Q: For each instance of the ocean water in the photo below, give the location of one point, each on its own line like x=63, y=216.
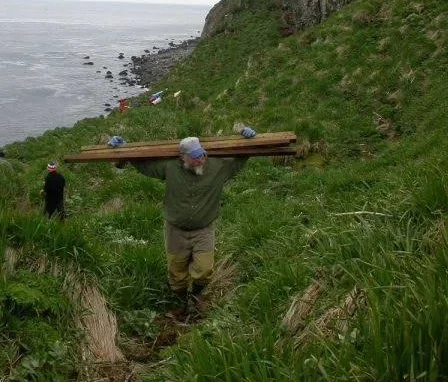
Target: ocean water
x=44, y=82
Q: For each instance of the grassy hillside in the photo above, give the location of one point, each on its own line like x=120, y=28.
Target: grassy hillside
x=335, y=263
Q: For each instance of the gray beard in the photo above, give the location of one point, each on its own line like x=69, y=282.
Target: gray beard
x=195, y=170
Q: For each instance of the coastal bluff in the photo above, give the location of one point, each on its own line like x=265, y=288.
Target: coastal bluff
x=294, y=14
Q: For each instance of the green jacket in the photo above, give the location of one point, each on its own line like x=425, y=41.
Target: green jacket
x=192, y=201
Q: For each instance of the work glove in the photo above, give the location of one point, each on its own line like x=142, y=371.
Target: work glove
x=116, y=141
x=248, y=132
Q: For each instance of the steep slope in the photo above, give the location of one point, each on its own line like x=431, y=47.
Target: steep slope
x=336, y=262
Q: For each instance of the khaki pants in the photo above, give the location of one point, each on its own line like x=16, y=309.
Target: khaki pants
x=190, y=255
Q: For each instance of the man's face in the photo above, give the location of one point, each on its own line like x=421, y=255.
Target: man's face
x=195, y=165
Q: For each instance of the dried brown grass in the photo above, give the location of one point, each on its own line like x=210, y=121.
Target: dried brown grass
x=222, y=284
x=98, y=350
x=283, y=160
x=91, y=313
x=302, y=306
x=437, y=235
x=11, y=258
x=111, y=206
x=301, y=328
x=335, y=321
x=100, y=326
x=103, y=139
x=385, y=126
x=303, y=150
x=364, y=17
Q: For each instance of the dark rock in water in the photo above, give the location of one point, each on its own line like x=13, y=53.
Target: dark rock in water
x=104, y=67
x=107, y=104
x=121, y=56
x=87, y=58
x=146, y=51
x=88, y=63
x=155, y=47
x=123, y=73
x=107, y=109
x=108, y=75
x=98, y=71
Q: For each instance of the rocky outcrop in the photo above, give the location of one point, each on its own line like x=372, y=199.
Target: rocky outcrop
x=220, y=15
x=295, y=14
x=299, y=14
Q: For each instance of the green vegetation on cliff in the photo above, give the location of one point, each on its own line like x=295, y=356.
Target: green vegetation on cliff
x=364, y=210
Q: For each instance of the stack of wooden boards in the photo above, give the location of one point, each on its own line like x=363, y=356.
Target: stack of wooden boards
x=267, y=144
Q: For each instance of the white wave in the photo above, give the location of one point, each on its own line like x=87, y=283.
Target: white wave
x=5, y=101
x=13, y=63
x=43, y=21
x=38, y=67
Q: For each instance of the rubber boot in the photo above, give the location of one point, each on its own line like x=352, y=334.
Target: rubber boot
x=180, y=313
x=199, y=300
x=197, y=289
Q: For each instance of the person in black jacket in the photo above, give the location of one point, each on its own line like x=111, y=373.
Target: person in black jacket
x=53, y=192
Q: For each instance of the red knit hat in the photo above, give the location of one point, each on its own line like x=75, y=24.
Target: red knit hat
x=51, y=167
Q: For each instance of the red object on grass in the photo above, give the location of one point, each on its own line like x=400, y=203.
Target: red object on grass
x=123, y=105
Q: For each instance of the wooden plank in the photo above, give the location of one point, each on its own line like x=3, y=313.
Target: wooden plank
x=264, y=151
x=289, y=135
x=147, y=154
x=213, y=145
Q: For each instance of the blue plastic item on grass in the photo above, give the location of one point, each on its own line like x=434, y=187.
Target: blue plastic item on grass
x=116, y=141
x=248, y=132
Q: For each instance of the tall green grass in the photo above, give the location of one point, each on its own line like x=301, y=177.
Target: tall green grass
x=367, y=89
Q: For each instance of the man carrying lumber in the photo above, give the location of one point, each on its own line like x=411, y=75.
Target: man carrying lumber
x=194, y=185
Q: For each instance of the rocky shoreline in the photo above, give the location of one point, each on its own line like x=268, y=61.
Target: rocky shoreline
x=146, y=70
x=149, y=69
